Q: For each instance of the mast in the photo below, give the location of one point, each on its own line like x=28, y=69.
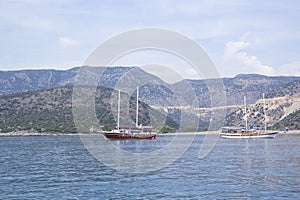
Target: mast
x=265, y=116
x=246, y=113
x=137, y=108
x=119, y=97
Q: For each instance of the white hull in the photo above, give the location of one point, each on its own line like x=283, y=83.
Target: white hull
x=241, y=136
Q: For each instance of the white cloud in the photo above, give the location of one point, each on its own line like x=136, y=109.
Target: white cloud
x=192, y=73
x=65, y=42
x=289, y=69
x=274, y=29
x=236, y=60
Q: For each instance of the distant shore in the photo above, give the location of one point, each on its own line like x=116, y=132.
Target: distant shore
x=218, y=132
x=21, y=133
x=25, y=133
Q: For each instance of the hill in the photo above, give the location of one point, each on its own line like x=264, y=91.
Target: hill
x=251, y=85
x=51, y=111
x=30, y=80
x=280, y=111
x=41, y=100
x=285, y=90
x=291, y=121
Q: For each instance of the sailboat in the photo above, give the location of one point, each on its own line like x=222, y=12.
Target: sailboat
x=244, y=132
x=130, y=132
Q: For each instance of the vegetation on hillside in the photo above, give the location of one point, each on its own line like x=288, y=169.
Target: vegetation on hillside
x=292, y=121
x=285, y=90
x=51, y=111
x=166, y=129
x=252, y=85
x=45, y=104
x=281, y=112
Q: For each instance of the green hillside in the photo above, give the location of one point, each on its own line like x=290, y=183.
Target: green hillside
x=51, y=110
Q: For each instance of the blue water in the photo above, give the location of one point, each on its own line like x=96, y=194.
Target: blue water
x=61, y=168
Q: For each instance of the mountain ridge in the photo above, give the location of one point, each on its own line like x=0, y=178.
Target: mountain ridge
x=251, y=85
x=170, y=99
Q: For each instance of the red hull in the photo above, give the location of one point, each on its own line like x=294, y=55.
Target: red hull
x=126, y=136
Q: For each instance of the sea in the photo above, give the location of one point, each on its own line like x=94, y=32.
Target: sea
x=62, y=167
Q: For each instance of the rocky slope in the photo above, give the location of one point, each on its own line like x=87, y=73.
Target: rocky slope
x=251, y=85
x=29, y=80
x=280, y=111
x=48, y=101
x=291, y=121
x=285, y=90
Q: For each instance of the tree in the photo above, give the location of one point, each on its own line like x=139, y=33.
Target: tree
x=190, y=129
x=166, y=129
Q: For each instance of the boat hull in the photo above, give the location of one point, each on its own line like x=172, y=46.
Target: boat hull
x=250, y=136
x=128, y=136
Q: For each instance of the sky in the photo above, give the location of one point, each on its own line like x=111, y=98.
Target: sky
x=239, y=36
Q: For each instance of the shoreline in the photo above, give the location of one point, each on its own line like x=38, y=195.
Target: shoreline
x=21, y=134
x=290, y=132
x=24, y=133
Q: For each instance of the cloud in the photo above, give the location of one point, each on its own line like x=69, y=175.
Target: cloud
x=236, y=59
x=289, y=69
x=211, y=23
x=65, y=42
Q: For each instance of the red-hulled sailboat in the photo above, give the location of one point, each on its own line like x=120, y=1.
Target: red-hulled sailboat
x=130, y=132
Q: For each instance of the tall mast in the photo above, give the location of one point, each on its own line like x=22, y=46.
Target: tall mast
x=246, y=113
x=137, y=108
x=119, y=97
x=265, y=115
